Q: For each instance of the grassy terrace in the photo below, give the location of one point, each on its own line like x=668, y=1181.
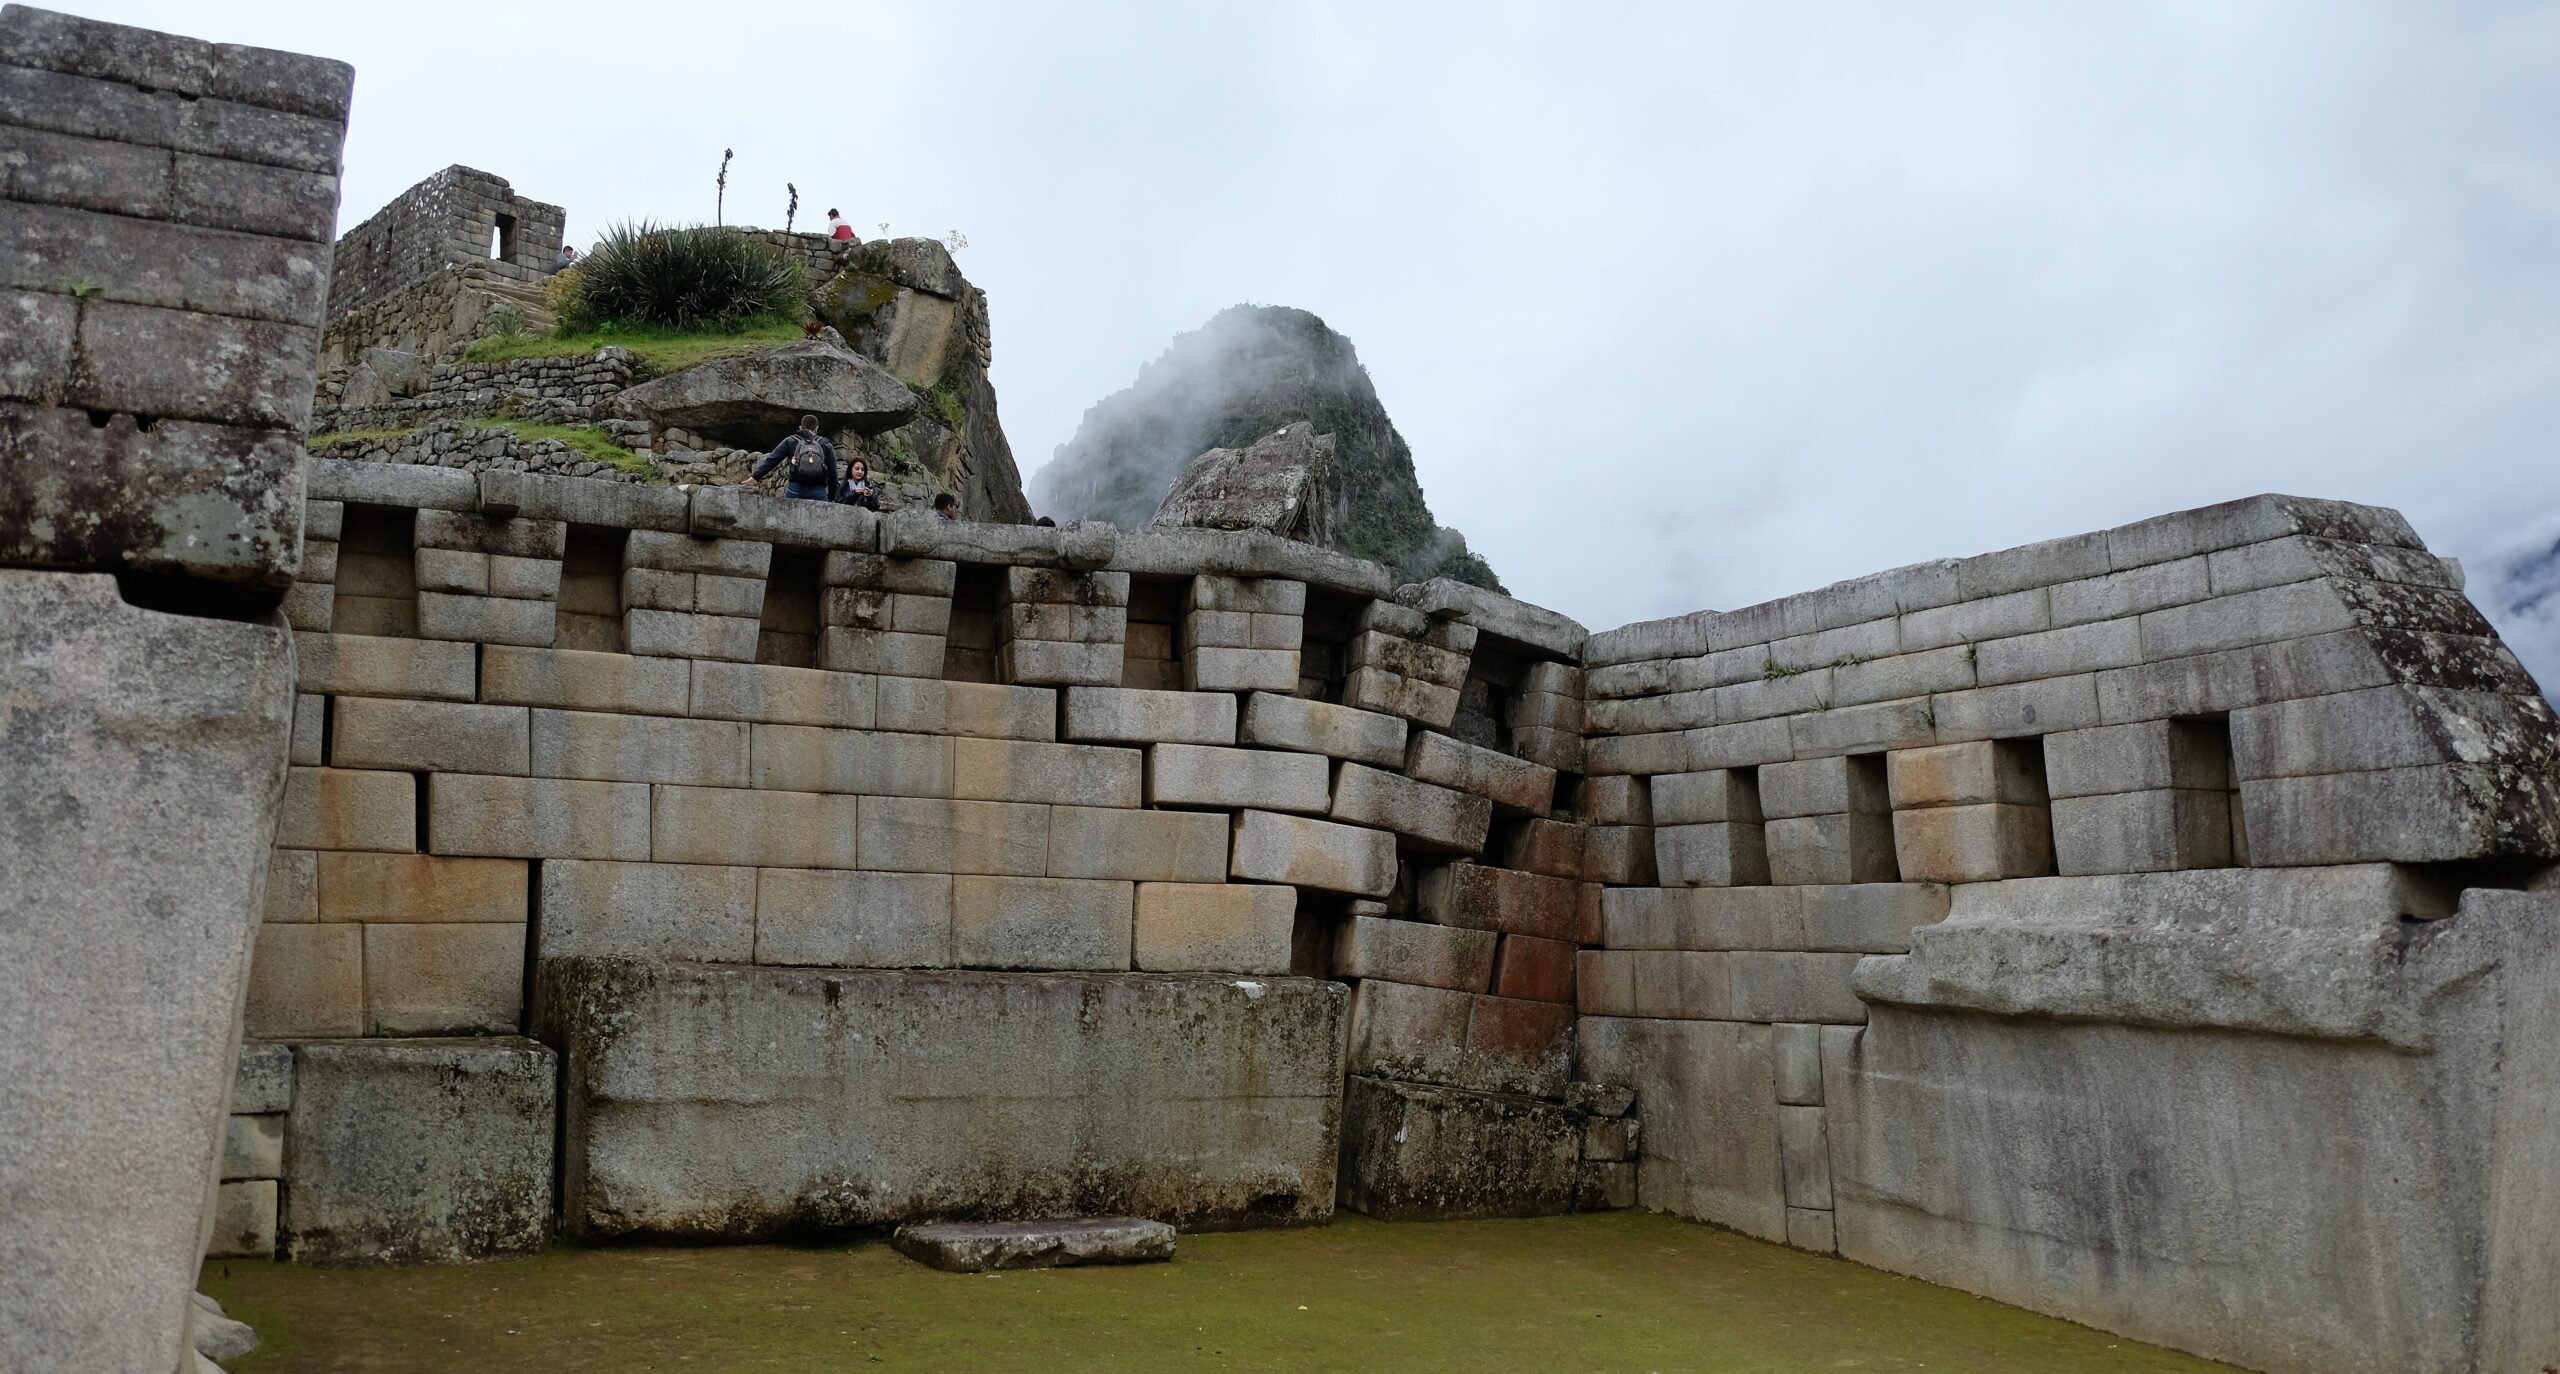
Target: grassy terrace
x=1620, y=1291
x=660, y=351
x=587, y=440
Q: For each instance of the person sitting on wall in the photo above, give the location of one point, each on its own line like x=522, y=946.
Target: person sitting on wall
x=946, y=507
x=567, y=258
x=811, y=475
x=858, y=488
x=838, y=230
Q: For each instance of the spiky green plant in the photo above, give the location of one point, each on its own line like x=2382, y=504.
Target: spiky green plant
x=698, y=278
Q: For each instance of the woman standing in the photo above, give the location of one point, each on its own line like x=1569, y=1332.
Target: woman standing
x=858, y=490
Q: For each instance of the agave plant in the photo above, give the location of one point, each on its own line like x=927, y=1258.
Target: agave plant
x=696, y=278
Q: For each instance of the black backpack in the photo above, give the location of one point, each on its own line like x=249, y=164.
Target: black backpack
x=808, y=461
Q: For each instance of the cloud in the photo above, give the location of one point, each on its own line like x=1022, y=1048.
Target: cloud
x=1678, y=304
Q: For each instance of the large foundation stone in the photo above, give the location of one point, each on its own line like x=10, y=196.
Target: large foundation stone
x=1412, y=1152
x=717, y=1101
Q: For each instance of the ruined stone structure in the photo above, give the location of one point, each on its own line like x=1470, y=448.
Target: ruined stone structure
x=430, y=271
x=2154, y=927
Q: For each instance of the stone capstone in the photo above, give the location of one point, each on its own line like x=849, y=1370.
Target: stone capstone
x=731, y=1102
x=754, y=399
x=967, y=1247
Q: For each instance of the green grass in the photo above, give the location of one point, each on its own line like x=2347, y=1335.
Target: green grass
x=368, y=435
x=1627, y=1291
x=661, y=351
x=589, y=443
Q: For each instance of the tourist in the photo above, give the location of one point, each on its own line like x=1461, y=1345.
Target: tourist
x=946, y=507
x=567, y=258
x=858, y=490
x=811, y=475
x=837, y=229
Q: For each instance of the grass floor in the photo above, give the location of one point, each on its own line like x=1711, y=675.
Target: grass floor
x=1621, y=1291
x=661, y=351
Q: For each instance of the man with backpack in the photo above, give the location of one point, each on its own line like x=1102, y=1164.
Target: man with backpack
x=811, y=471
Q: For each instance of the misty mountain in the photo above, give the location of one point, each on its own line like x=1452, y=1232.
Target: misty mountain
x=2520, y=592
x=1250, y=370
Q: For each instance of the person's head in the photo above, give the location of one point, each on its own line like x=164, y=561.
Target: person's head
x=808, y=424
x=831, y=214
x=1046, y=523
x=946, y=505
x=859, y=471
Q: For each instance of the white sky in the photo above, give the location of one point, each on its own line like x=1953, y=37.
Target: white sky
x=1682, y=305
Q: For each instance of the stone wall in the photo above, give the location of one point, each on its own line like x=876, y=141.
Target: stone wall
x=491, y=447
x=170, y=202
x=557, y=390
x=460, y=217
x=2107, y=925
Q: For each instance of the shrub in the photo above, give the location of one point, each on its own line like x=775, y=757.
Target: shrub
x=698, y=278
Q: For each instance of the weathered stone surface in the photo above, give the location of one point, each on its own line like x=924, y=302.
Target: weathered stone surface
x=145, y=757
x=1416, y=952
x=1429, y=817
x=244, y=1221
x=1709, y=1097
x=1282, y=482
x=1481, y=897
x=1972, y=844
x=536, y=818
x=674, y=911
x=752, y=400
x=1040, y=923
x=206, y=500
x=452, y=978
x=1412, y=1152
x=379, y=666
x=1145, y=846
x=973, y=1247
x=428, y=736
x=1214, y=928
x=1473, y=1041
x=2142, y=832
x=1269, y=847
x=1515, y=786
x=218, y=1337
x=419, y=1151
x=418, y=888
x=1236, y=779
x=1285, y=722
x=264, y=1080
x=585, y=680
x=1722, y=854
x=2284, y=1238
x=735, y=1103
x=1842, y=848
x=1138, y=716
x=835, y=919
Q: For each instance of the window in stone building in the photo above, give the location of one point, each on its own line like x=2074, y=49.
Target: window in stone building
x=1325, y=649
x=1872, y=858
x=1153, y=653
x=969, y=653
x=502, y=239
x=590, y=608
x=1484, y=704
x=377, y=573
x=789, y=634
x=2207, y=804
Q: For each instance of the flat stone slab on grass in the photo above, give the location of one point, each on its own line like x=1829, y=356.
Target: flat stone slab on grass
x=969, y=1247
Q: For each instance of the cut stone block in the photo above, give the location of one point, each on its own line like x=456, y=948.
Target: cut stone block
x=808, y=758
x=1710, y=1107
x=449, y=979
x=1716, y=796
x=419, y=888
x=1040, y=923
x=1610, y=1138
x=1236, y=779
x=1133, y=715
x=1797, y=1049
x=1375, y=689
x=1782, y=985
x=983, y=710
x=1820, y=787
x=1287, y=722
x=1725, y=854
x=244, y=1221
x=1618, y=854
x=2411, y=815
x=1534, y=970
x=1972, y=844
x=1980, y=772
x=537, y=818
x=1214, y=928
x=1869, y=918
x=672, y=911
x=1808, y=1229
x=306, y=980
x=263, y=1080
x=1855, y=848
x=2142, y=832
x=1407, y=658
x=1429, y=817
x=1513, y=785
x=835, y=919
x=618, y=748
x=1270, y=847
x=1627, y=800
x=337, y=808
x=1415, y=952
x=293, y=885
x=1063, y=774
x=2144, y=756
x=428, y=736
x=1048, y=661
x=584, y=680
x=1703, y=918
x=1554, y=848
x=1479, y=897
x=1264, y=595
x=1195, y=1099
x=972, y=1247
x=926, y=835
x=1216, y=669
x=1461, y=1040
x=489, y=619
x=1145, y=846
x=677, y=634
x=770, y=829
x=684, y=553
x=252, y=1147
x=1417, y=1153
x=771, y=694
x=419, y=1151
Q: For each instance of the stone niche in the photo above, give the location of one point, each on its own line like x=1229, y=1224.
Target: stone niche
x=726, y=1102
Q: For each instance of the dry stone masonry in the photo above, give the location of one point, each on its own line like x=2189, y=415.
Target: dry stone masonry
x=2154, y=927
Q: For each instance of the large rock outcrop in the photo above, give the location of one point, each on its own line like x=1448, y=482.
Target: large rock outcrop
x=903, y=304
x=753, y=399
x=1283, y=483
x=1249, y=371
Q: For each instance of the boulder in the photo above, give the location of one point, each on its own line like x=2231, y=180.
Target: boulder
x=1283, y=482
x=754, y=399
x=963, y=1247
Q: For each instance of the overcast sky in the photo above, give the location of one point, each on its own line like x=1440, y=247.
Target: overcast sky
x=1679, y=306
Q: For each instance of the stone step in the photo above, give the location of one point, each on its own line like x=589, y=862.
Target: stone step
x=969, y=1247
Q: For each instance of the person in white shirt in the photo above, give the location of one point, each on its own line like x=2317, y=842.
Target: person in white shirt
x=839, y=230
